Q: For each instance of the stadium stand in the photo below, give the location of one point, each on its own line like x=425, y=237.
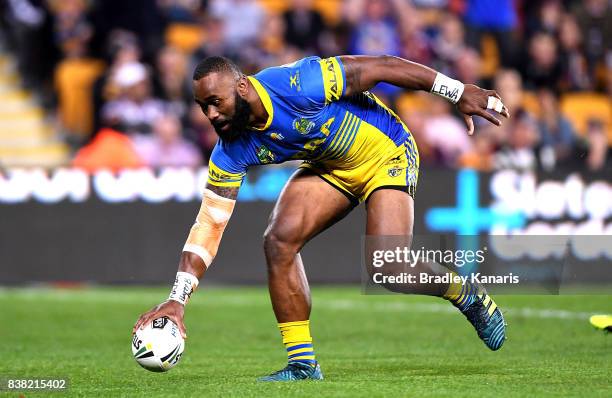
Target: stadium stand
x=59, y=94
x=580, y=108
x=27, y=138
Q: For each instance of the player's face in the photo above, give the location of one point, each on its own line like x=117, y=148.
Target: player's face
x=218, y=97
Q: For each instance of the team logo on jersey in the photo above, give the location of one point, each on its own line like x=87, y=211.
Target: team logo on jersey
x=395, y=171
x=302, y=126
x=294, y=81
x=265, y=155
x=277, y=136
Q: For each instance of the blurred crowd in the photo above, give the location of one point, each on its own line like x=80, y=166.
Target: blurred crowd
x=117, y=73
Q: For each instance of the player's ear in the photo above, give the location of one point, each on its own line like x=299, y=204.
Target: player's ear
x=242, y=86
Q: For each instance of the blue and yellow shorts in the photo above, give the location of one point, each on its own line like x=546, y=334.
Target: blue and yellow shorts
x=372, y=162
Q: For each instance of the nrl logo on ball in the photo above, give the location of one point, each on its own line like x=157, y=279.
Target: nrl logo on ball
x=159, y=323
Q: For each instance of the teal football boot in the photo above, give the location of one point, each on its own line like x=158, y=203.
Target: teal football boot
x=295, y=371
x=487, y=319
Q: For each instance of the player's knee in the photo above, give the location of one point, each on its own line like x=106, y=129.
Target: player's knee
x=280, y=243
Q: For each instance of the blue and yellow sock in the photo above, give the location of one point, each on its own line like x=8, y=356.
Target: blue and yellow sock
x=461, y=295
x=298, y=342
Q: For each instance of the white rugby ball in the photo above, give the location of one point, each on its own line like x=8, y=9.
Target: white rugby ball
x=158, y=346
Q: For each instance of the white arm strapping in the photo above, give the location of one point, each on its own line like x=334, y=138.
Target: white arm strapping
x=205, y=234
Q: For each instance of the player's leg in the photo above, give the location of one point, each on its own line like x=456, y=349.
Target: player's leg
x=391, y=213
x=390, y=221
x=306, y=206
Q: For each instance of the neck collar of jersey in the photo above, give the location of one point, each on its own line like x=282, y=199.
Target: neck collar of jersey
x=265, y=99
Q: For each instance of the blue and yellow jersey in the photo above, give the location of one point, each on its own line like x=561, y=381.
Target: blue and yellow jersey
x=311, y=119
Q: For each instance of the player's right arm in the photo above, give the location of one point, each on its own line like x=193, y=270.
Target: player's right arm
x=204, y=238
x=199, y=251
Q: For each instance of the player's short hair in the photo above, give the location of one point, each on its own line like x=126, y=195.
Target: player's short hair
x=215, y=64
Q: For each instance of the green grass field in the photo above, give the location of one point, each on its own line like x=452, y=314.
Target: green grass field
x=370, y=346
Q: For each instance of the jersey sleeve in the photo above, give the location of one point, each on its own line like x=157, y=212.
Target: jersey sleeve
x=322, y=80
x=308, y=84
x=224, y=170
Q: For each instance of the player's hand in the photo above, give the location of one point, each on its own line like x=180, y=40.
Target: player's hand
x=174, y=310
x=477, y=101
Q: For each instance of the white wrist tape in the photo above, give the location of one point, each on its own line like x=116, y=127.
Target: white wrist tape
x=448, y=88
x=184, y=285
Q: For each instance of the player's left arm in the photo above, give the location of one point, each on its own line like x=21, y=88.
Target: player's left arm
x=364, y=72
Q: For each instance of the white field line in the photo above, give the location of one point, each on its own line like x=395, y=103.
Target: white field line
x=324, y=304
x=446, y=308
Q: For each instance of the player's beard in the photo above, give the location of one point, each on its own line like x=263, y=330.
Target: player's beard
x=238, y=123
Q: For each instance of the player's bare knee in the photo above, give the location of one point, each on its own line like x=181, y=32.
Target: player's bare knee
x=279, y=244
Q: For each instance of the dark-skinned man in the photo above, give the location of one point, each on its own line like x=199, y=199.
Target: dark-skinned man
x=354, y=149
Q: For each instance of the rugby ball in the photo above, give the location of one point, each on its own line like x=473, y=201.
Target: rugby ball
x=158, y=346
